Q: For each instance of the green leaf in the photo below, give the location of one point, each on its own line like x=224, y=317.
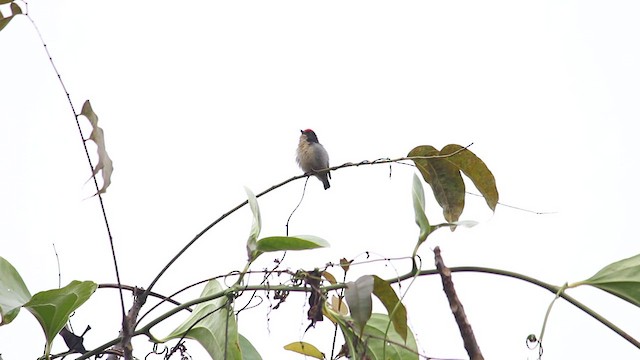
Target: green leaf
x=256, y=226
x=369, y=343
x=284, y=243
x=248, y=351
x=396, y=310
x=444, y=178
x=395, y=348
x=476, y=170
x=419, y=209
x=5, y=1
x=351, y=339
x=13, y=292
x=304, y=348
x=358, y=296
x=52, y=308
x=212, y=324
x=621, y=278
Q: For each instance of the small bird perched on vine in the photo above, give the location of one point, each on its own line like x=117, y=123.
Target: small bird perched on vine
x=312, y=157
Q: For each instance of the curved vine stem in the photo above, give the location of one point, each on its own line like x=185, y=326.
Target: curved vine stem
x=86, y=151
x=242, y=204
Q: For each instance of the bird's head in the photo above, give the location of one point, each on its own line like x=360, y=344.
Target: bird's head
x=310, y=135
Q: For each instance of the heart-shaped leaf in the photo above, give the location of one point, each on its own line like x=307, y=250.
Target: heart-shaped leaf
x=394, y=348
x=13, y=292
x=52, y=308
x=621, y=278
x=213, y=324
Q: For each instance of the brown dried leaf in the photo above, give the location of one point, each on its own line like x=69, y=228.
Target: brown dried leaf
x=97, y=136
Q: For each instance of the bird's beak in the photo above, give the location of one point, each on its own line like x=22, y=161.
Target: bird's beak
x=301, y=131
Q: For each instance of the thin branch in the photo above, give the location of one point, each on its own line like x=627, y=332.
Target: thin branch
x=474, y=269
x=239, y=206
x=304, y=190
x=554, y=290
x=516, y=207
x=132, y=289
x=86, y=151
x=58, y=262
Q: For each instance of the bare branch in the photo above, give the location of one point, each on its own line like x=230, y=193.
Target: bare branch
x=457, y=309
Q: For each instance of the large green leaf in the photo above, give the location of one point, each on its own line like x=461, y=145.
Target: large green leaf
x=621, y=278
x=213, y=325
x=248, y=351
x=256, y=226
x=358, y=296
x=444, y=178
x=370, y=342
x=396, y=310
x=395, y=348
x=13, y=292
x=284, y=243
x=419, y=209
x=476, y=170
x=52, y=308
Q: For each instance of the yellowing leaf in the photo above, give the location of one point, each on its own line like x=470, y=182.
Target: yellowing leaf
x=476, y=170
x=97, y=136
x=330, y=278
x=339, y=306
x=16, y=9
x=443, y=177
x=305, y=349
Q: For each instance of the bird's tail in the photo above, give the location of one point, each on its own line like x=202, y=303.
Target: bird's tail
x=325, y=180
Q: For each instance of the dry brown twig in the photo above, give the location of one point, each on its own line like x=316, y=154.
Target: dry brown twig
x=469, y=339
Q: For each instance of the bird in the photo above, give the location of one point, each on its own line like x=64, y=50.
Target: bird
x=312, y=157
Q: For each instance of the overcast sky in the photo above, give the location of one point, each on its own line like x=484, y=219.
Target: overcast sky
x=198, y=99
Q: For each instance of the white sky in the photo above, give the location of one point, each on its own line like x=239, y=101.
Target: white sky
x=199, y=99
